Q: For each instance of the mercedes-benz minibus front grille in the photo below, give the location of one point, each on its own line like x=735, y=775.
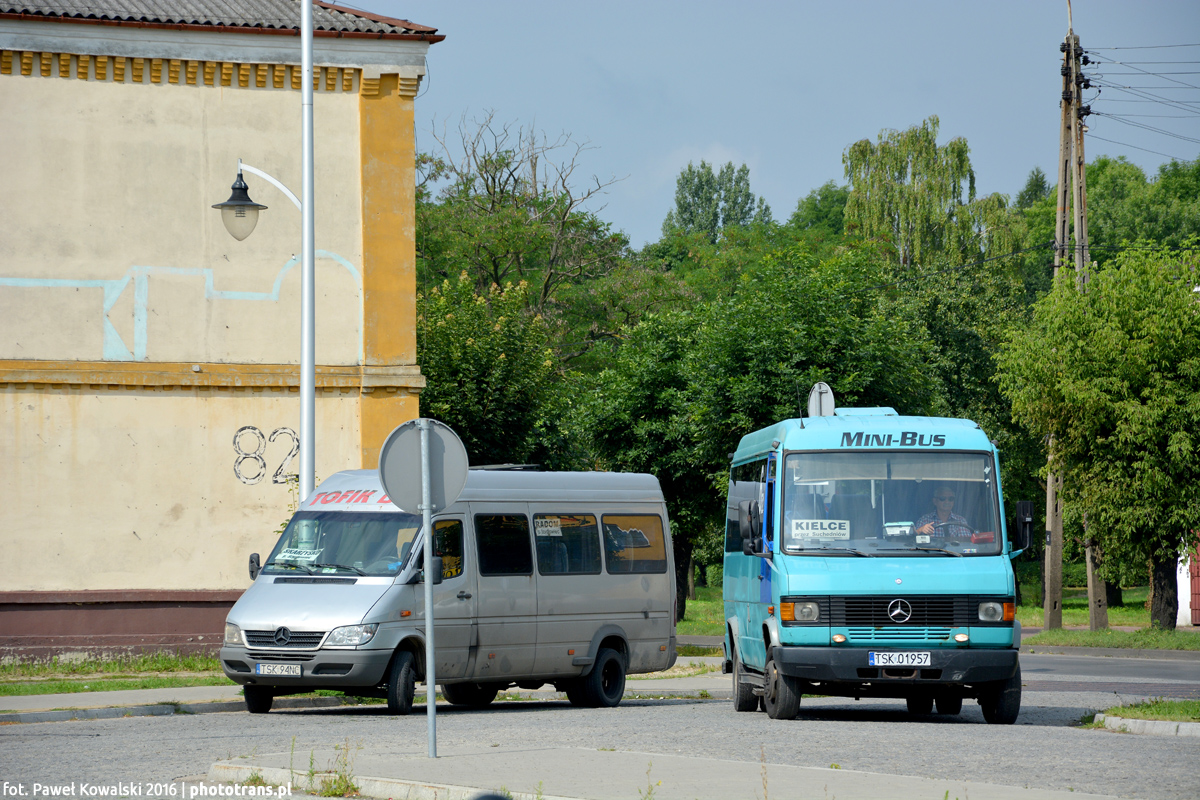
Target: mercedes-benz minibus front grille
x=296, y=640
x=903, y=611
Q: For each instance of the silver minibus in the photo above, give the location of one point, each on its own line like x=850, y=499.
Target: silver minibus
x=562, y=578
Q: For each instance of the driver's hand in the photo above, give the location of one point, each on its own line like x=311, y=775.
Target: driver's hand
x=926, y=528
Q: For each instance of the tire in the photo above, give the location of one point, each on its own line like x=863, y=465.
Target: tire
x=473, y=695
x=1002, y=703
x=575, y=695
x=402, y=683
x=920, y=704
x=744, y=698
x=780, y=695
x=258, y=698
x=949, y=703
x=604, y=686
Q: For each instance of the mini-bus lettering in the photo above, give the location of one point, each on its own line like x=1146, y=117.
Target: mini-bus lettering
x=907, y=439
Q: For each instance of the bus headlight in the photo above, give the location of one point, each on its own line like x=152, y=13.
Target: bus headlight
x=233, y=634
x=806, y=611
x=350, y=635
x=991, y=611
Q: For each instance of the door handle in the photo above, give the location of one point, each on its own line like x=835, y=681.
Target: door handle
x=464, y=595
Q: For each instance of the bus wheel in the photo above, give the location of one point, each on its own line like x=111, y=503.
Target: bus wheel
x=258, y=699
x=949, y=703
x=402, y=683
x=604, y=686
x=780, y=696
x=573, y=689
x=743, y=693
x=1002, y=703
x=920, y=703
x=475, y=695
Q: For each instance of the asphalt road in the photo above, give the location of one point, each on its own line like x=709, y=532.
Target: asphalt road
x=1044, y=749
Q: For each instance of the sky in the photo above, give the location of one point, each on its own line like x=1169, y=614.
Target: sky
x=786, y=87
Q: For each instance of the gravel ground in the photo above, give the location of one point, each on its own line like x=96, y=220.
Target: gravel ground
x=1044, y=749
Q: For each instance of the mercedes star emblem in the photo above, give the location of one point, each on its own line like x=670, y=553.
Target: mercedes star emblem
x=283, y=636
x=899, y=611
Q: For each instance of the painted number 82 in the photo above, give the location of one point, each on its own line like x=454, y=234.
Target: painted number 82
x=250, y=467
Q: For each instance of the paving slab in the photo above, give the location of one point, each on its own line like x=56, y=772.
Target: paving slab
x=464, y=773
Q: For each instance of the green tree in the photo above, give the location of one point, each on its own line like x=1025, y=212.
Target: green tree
x=1113, y=373
x=822, y=210
x=491, y=373
x=1035, y=189
x=919, y=197
x=707, y=203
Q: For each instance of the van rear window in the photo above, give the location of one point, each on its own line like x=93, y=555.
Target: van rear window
x=634, y=543
x=567, y=544
x=503, y=543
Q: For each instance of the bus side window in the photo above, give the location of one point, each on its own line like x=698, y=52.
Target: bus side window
x=503, y=544
x=634, y=543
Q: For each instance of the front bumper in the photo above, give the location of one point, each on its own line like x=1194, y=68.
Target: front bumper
x=849, y=665
x=318, y=668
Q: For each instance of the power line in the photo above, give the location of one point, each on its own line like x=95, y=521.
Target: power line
x=1145, y=47
x=1135, y=147
x=1155, y=74
x=1146, y=127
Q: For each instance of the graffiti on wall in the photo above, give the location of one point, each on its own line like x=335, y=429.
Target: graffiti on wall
x=115, y=347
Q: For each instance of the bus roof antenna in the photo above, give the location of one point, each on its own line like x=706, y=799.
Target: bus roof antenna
x=820, y=401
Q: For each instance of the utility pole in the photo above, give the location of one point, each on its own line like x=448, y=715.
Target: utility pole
x=1072, y=193
x=1052, y=604
x=1097, y=590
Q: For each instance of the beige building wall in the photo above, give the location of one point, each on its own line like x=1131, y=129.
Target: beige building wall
x=144, y=487
x=148, y=361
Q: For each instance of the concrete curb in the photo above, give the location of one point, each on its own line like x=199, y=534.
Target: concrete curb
x=161, y=710
x=1109, y=652
x=1155, y=727
x=283, y=703
x=393, y=788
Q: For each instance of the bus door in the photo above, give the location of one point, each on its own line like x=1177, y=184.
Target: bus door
x=754, y=646
x=507, y=600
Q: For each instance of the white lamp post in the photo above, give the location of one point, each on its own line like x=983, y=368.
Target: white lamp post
x=240, y=214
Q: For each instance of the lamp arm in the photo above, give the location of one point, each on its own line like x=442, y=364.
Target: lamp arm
x=272, y=181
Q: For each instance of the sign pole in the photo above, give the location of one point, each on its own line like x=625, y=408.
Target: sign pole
x=427, y=524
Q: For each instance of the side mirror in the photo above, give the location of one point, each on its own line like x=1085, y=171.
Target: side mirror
x=435, y=570
x=255, y=566
x=1024, y=533
x=750, y=526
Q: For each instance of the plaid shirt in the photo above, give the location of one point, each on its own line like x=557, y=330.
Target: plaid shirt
x=954, y=528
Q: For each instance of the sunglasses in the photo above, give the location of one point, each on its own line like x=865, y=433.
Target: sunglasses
x=944, y=499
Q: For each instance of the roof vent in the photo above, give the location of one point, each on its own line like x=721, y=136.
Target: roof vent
x=820, y=401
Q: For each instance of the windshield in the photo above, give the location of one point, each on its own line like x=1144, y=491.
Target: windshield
x=877, y=503
x=339, y=542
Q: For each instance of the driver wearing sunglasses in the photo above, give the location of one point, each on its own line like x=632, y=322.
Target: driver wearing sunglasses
x=942, y=522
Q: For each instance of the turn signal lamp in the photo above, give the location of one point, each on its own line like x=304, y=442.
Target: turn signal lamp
x=961, y=637
x=839, y=638
x=1010, y=612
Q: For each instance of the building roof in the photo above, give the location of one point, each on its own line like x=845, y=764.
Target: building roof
x=232, y=16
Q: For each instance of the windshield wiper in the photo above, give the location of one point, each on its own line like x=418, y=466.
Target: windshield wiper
x=287, y=564
x=838, y=550
x=927, y=550
x=337, y=566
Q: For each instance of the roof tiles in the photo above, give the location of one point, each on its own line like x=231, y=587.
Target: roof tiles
x=225, y=14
